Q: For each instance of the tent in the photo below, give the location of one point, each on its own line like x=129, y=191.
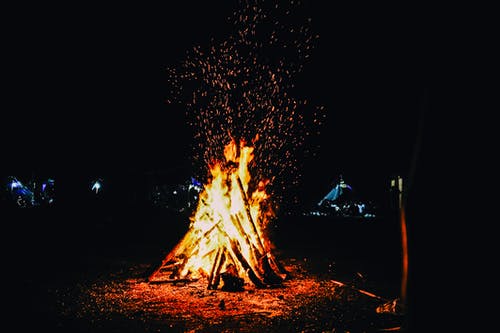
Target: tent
x=343, y=201
x=338, y=191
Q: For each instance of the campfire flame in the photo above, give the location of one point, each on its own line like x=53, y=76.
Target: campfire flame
x=227, y=230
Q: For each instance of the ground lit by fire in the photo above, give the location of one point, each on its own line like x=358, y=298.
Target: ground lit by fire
x=125, y=300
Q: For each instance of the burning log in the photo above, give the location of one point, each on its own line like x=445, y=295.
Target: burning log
x=247, y=210
x=252, y=274
x=176, y=259
x=226, y=229
x=235, y=249
x=174, y=281
x=274, y=272
x=214, y=279
x=214, y=267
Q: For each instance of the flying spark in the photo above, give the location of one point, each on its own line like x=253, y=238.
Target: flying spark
x=243, y=85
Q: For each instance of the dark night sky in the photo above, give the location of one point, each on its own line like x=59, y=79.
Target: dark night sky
x=86, y=87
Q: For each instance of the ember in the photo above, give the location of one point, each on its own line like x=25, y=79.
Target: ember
x=227, y=237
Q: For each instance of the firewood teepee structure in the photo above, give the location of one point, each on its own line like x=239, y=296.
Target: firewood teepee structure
x=226, y=233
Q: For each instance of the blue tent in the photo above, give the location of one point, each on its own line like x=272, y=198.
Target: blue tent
x=20, y=193
x=336, y=192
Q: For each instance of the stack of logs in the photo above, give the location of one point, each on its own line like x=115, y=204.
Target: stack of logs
x=260, y=267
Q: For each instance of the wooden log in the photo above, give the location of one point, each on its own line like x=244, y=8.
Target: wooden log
x=250, y=271
x=276, y=267
x=268, y=265
x=178, y=268
x=174, y=281
x=231, y=256
x=168, y=268
x=239, y=227
x=271, y=276
x=194, y=244
x=214, y=267
x=235, y=254
x=208, y=253
x=222, y=260
x=182, y=248
x=249, y=215
x=170, y=257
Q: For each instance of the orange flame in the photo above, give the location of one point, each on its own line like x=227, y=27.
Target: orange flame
x=228, y=226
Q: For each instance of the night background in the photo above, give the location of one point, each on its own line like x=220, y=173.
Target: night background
x=86, y=99
x=88, y=88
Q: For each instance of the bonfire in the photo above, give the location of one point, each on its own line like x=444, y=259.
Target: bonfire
x=227, y=236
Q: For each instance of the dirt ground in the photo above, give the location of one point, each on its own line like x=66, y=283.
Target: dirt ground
x=92, y=278
x=121, y=300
